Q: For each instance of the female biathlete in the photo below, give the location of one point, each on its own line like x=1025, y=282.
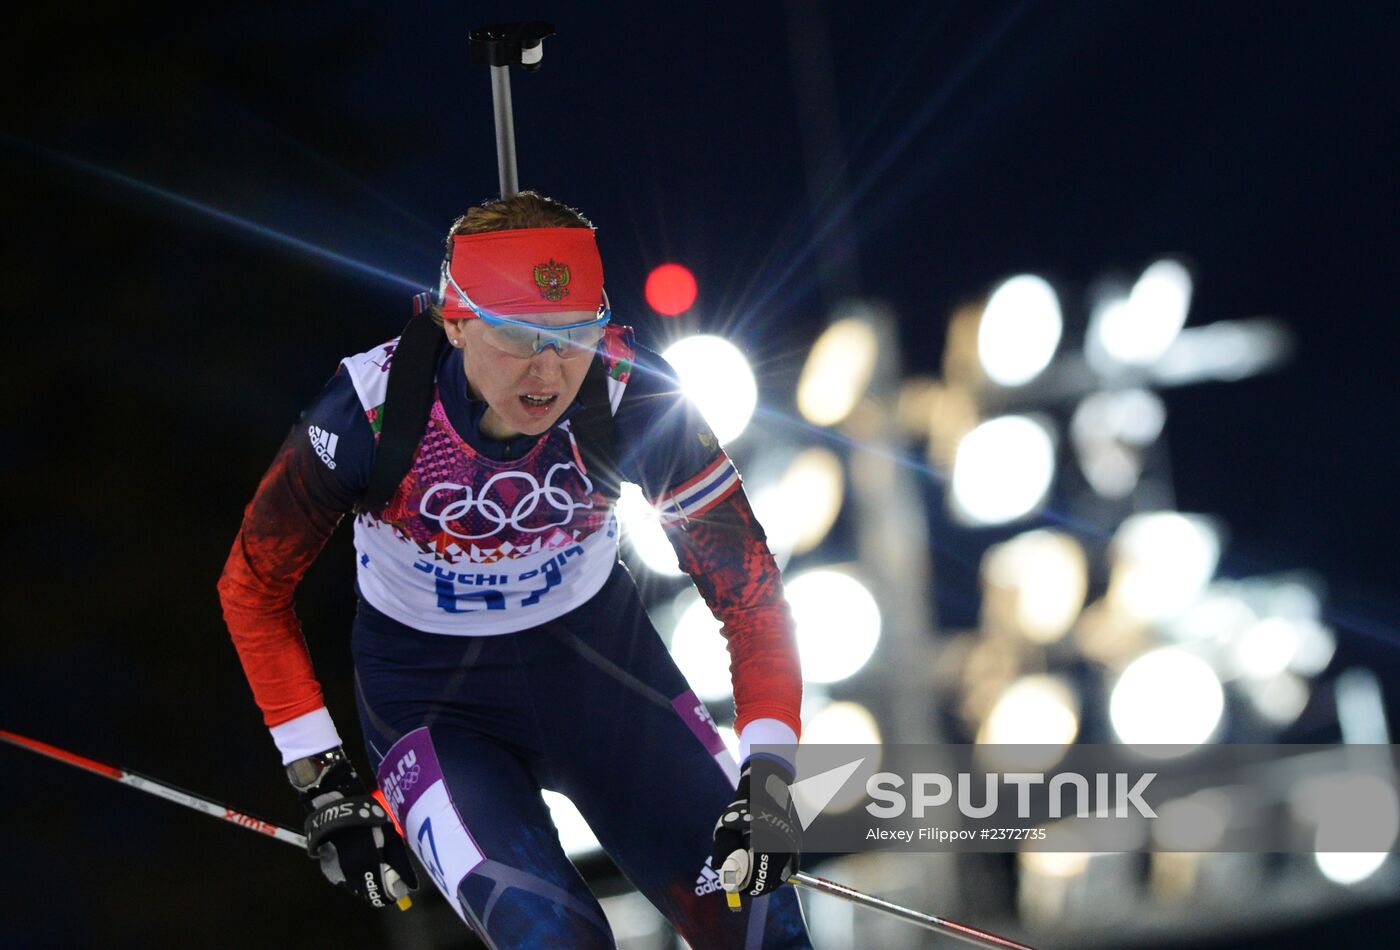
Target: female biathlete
x=500, y=646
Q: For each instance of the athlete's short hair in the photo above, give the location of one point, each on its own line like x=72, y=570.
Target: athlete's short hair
x=524, y=209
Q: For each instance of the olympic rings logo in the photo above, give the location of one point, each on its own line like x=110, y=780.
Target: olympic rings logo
x=559, y=503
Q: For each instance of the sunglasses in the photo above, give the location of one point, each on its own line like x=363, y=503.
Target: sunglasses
x=521, y=339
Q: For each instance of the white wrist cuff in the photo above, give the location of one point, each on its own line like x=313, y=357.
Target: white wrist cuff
x=305, y=735
x=764, y=732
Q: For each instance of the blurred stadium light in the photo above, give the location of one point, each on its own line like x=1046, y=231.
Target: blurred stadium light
x=1137, y=329
x=641, y=529
x=698, y=648
x=838, y=624
x=1227, y=350
x=1034, y=585
x=1360, y=708
x=1166, y=697
x=1019, y=330
x=1111, y=432
x=670, y=289
x=1003, y=470
x=1162, y=561
x=842, y=723
x=1280, y=700
x=837, y=371
x=1349, y=867
x=845, y=723
x=1334, y=803
x=798, y=510
x=1039, y=710
x=718, y=379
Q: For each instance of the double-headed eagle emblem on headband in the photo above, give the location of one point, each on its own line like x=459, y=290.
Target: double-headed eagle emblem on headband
x=553, y=280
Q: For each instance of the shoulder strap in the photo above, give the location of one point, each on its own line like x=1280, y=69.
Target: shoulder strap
x=407, y=402
x=595, y=431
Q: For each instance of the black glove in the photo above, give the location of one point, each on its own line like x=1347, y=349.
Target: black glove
x=771, y=817
x=350, y=832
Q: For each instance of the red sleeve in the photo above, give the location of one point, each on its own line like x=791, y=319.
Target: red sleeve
x=293, y=513
x=726, y=553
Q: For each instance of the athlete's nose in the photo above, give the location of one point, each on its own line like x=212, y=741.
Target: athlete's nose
x=547, y=364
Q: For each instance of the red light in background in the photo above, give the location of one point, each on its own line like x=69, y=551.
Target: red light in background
x=670, y=289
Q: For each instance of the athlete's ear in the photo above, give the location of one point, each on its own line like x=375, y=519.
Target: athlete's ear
x=453, y=329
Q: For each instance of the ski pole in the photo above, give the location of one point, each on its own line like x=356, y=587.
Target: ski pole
x=500, y=46
x=172, y=794
x=136, y=780
x=943, y=925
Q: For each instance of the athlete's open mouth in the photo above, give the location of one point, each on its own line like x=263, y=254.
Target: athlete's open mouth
x=538, y=402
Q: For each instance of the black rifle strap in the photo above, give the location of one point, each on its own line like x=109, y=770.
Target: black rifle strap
x=407, y=402
x=595, y=431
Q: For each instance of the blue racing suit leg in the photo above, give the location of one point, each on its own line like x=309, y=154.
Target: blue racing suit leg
x=465, y=731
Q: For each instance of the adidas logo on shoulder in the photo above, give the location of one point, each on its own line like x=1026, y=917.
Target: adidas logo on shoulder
x=324, y=443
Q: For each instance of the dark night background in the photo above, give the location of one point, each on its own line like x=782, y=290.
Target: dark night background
x=157, y=351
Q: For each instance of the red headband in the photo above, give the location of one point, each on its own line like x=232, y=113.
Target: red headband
x=524, y=270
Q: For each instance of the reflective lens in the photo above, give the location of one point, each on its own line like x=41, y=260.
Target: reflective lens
x=521, y=339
